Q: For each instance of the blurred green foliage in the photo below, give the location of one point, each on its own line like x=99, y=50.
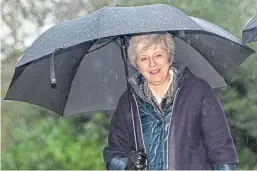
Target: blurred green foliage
x=35, y=138
x=41, y=140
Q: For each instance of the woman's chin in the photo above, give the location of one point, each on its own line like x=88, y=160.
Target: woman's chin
x=156, y=82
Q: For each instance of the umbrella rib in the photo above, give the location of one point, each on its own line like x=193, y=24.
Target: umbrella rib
x=249, y=21
x=207, y=61
x=93, y=42
x=103, y=45
x=238, y=43
x=242, y=45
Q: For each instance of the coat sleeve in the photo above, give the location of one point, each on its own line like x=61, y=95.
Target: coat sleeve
x=216, y=134
x=119, y=141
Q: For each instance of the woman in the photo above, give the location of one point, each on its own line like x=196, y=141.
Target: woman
x=172, y=120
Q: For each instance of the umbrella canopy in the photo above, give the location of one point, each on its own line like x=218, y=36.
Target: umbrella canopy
x=249, y=32
x=78, y=65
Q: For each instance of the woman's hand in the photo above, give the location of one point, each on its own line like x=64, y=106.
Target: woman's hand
x=136, y=160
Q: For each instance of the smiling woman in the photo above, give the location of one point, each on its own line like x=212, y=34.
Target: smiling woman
x=178, y=122
x=152, y=55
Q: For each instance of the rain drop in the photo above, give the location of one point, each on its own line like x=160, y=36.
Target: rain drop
x=97, y=65
x=213, y=53
x=188, y=41
x=181, y=34
x=109, y=99
x=196, y=36
x=105, y=80
x=116, y=77
x=232, y=43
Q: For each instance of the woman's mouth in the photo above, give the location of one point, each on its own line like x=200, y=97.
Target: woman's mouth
x=155, y=71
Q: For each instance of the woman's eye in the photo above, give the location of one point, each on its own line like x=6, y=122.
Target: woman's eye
x=159, y=55
x=143, y=59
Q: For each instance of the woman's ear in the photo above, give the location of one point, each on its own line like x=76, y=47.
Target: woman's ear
x=171, y=59
x=136, y=67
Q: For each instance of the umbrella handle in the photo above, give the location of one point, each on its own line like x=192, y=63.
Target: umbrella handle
x=52, y=68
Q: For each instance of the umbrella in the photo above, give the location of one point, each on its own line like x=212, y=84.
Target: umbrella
x=249, y=32
x=81, y=65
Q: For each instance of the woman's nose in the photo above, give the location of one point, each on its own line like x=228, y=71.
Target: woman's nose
x=152, y=62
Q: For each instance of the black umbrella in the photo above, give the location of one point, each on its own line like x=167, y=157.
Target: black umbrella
x=78, y=65
x=249, y=32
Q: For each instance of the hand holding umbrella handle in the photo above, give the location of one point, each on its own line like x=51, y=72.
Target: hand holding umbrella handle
x=136, y=160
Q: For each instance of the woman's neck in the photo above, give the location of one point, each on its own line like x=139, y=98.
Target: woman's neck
x=160, y=90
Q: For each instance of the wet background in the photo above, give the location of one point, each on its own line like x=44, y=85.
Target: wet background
x=35, y=138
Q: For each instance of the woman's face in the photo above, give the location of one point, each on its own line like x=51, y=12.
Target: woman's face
x=153, y=64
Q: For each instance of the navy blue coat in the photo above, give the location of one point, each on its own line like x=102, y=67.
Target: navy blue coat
x=199, y=136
